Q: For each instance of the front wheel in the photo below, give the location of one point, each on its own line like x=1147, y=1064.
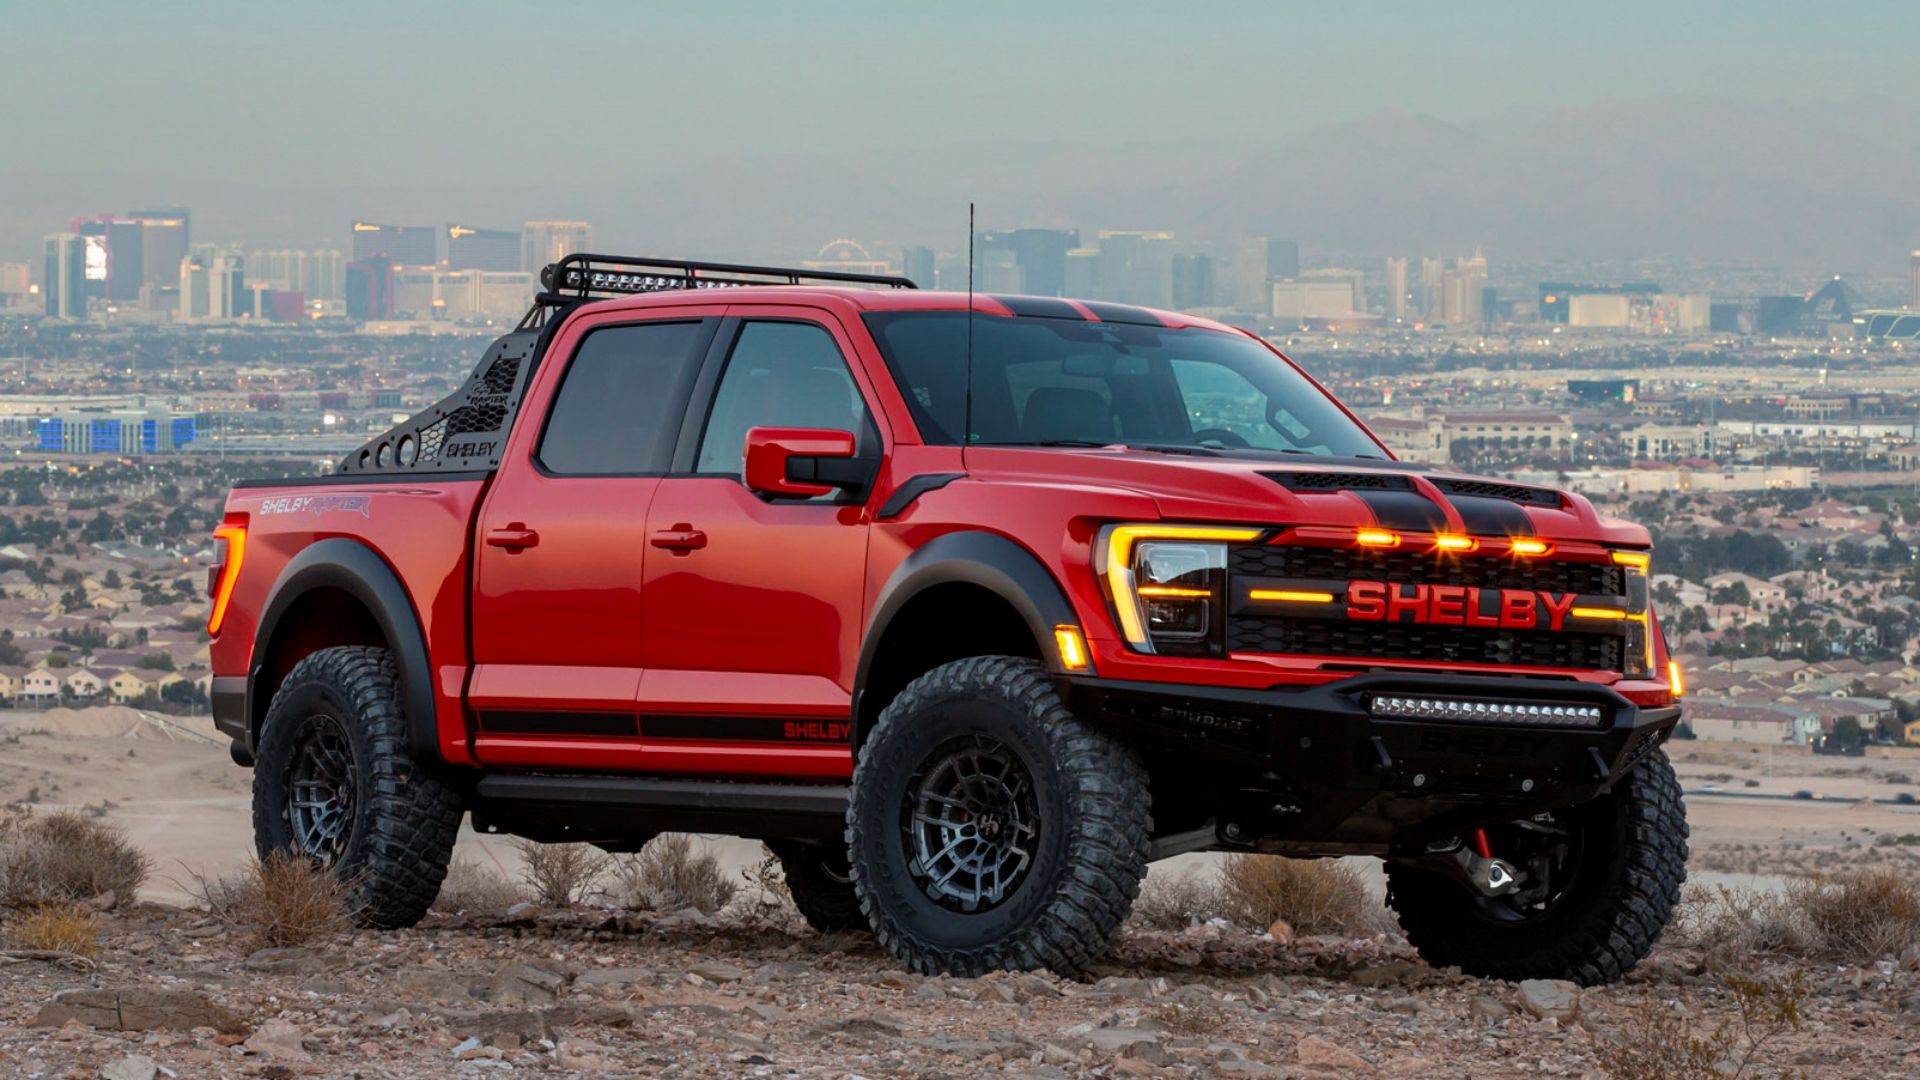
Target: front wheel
x=1597, y=886
x=333, y=782
x=990, y=829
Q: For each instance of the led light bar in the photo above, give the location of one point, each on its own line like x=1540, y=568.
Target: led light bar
x=1548, y=714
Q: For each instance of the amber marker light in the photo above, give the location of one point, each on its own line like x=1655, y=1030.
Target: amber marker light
x=1376, y=538
x=1676, y=680
x=234, y=539
x=1171, y=592
x=1635, y=559
x=1291, y=596
x=1531, y=547
x=1597, y=613
x=1454, y=542
x=1073, y=647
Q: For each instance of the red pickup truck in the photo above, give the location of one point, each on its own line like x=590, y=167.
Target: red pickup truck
x=969, y=606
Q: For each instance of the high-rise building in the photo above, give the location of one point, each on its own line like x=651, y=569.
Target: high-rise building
x=194, y=302
x=369, y=289
x=1258, y=263
x=543, y=242
x=64, y=280
x=1463, y=292
x=1136, y=267
x=469, y=248
x=227, y=286
x=1433, y=297
x=917, y=264
x=1195, y=282
x=402, y=245
x=16, y=284
x=115, y=263
x=1041, y=255
x=1083, y=273
x=1913, y=282
x=1397, y=288
x=164, y=237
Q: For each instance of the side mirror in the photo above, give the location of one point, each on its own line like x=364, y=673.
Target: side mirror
x=802, y=463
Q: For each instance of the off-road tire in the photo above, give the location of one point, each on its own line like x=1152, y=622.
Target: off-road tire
x=1091, y=807
x=1619, y=904
x=401, y=829
x=821, y=885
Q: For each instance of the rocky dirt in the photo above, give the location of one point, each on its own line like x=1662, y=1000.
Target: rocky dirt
x=177, y=994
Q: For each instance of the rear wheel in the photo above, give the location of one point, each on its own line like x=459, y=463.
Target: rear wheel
x=1597, y=885
x=333, y=782
x=990, y=829
x=821, y=884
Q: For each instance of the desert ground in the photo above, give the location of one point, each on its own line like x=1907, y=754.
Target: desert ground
x=750, y=991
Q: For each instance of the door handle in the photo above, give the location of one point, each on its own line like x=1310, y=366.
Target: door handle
x=682, y=539
x=515, y=537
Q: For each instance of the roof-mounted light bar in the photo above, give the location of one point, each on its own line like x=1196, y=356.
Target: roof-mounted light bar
x=582, y=275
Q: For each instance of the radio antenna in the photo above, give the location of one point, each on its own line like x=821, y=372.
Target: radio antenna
x=966, y=416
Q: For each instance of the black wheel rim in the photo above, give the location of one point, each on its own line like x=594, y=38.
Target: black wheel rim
x=320, y=789
x=971, y=824
x=1548, y=850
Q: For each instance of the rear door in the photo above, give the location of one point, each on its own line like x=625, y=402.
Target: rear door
x=753, y=605
x=559, y=542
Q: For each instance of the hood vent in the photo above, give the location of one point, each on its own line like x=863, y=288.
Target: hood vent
x=1339, y=481
x=1489, y=489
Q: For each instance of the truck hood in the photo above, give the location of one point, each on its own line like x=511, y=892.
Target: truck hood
x=1289, y=489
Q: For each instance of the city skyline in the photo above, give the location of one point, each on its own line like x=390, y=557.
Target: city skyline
x=1731, y=134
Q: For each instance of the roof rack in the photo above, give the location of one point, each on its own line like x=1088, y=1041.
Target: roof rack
x=579, y=276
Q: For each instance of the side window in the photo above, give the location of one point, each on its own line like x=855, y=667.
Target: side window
x=619, y=405
x=780, y=374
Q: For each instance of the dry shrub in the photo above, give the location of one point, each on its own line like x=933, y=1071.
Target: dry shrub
x=1741, y=922
x=1664, y=1045
x=670, y=874
x=65, y=858
x=1860, y=917
x=1318, y=896
x=1173, y=901
x=560, y=875
x=61, y=928
x=472, y=887
x=282, y=900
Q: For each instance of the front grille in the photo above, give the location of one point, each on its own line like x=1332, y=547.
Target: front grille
x=1425, y=642
x=1402, y=567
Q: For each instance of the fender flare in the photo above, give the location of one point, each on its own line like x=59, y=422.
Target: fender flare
x=988, y=560
x=355, y=569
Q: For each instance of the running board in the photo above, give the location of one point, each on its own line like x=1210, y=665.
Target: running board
x=596, y=807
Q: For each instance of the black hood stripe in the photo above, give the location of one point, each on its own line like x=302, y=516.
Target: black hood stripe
x=1485, y=516
x=1404, y=511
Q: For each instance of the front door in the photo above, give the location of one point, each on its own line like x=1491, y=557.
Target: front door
x=753, y=606
x=560, y=541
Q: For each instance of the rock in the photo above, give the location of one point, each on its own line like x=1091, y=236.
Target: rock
x=131, y=1067
x=1490, y=1010
x=1055, y=1054
x=1119, y=1040
x=929, y=992
x=106, y=901
x=577, y=1054
x=1244, y=1068
x=1409, y=1066
x=898, y=980
x=1116, y=986
x=1406, y=1006
x=527, y=984
x=1281, y=932
x=521, y=910
x=1028, y=986
x=1910, y=958
x=718, y=971
x=1550, y=999
x=281, y=962
x=995, y=990
x=1150, y=1052
x=427, y=982
x=1314, y=1051
x=490, y=1025
x=277, y=1039
x=1399, y=971
x=135, y=1010
x=687, y=919
x=772, y=1014
x=611, y=979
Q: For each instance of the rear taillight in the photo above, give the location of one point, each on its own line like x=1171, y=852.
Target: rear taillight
x=229, y=551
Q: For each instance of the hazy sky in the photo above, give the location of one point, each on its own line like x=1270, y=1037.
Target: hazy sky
x=274, y=121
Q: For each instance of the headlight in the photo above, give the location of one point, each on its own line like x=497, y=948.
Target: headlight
x=1639, y=658
x=1169, y=584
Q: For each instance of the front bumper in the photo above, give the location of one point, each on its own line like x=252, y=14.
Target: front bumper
x=1317, y=766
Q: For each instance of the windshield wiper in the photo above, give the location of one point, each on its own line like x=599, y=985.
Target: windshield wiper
x=1082, y=443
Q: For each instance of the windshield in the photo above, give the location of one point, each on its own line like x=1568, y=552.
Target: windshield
x=1042, y=381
